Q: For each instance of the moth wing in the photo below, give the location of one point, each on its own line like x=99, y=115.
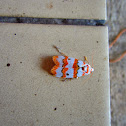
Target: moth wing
x=73, y=72
x=60, y=60
x=80, y=72
x=81, y=63
x=57, y=71
x=63, y=72
x=75, y=63
x=68, y=72
x=67, y=67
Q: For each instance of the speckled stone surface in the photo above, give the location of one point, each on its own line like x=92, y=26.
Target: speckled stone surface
x=29, y=95
x=71, y=9
x=116, y=22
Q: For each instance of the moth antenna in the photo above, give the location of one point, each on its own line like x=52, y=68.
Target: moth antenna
x=58, y=49
x=85, y=59
x=88, y=78
x=63, y=79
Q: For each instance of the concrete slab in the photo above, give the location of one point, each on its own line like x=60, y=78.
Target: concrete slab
x=74, y=9
x=29, y=95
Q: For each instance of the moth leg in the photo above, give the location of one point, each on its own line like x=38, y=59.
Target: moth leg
x=65, y=79
x=85, y=59
x=58, y=49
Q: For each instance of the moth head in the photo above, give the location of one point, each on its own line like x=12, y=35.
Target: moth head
x=92, y=69
x=87, y=69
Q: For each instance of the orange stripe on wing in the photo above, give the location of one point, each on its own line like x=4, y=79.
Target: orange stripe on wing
x=53, y=70
x=55, y=60
x=83, y=63
x=87, y=69
x=83, y=74
x=65, y=61
x=75, y=63
x=64, y=70
x=75, y=72
x=75, y=67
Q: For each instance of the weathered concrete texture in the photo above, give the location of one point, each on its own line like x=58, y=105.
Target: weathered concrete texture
x=31, y=96
x=73, y=9
x=117, y=22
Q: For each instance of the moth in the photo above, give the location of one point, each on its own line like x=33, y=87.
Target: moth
x=68, y=67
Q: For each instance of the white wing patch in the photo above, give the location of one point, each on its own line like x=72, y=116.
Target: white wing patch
x=59, y=72
x=60, y=60
x=69, y=73
x=80, y=63
x=79, y=72
x=70, y=62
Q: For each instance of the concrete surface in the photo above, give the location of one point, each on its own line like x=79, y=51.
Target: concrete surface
x=71, y=9
x=116, y=22
x=29, y=95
